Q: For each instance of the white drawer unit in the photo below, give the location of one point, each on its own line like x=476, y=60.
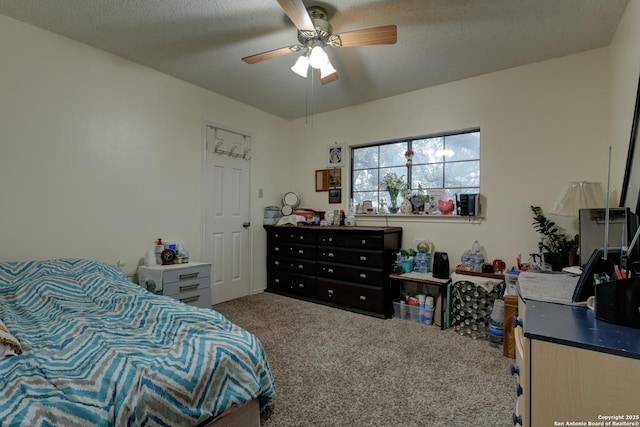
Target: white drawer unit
x=188, y=283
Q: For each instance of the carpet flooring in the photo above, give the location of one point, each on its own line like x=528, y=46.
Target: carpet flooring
x=336, y=368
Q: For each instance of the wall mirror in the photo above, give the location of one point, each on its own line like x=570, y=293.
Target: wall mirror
x=630, y=194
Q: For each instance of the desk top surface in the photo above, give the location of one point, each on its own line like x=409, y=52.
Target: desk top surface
x=420, y=277
x=578, y=327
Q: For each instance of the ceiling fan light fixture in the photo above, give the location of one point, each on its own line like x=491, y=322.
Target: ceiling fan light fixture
x=318, y=57
x=301, y=67
x=326, y=70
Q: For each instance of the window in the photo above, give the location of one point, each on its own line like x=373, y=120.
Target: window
x=447, y=163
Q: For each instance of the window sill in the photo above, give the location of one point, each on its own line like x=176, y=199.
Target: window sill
x=363, y=218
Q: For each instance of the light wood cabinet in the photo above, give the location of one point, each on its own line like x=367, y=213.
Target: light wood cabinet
x=569, y=366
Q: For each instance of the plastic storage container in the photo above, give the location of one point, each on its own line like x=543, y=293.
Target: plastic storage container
x=414, y=313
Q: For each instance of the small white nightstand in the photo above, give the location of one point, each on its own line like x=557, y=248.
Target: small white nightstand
x=189, y=283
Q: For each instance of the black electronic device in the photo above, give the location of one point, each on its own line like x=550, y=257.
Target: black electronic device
x=597, y=264
x=441, y=265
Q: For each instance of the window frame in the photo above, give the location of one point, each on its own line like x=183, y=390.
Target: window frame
x=408, y=170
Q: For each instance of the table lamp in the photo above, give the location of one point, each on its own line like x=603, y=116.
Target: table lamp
x=578, y=195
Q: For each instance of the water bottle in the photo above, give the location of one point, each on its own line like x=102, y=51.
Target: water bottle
x=478, y=260
x=471, y=261
x=428, y=310
x=465, y=260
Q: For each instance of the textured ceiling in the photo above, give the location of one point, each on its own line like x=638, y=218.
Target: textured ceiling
x=203, y=41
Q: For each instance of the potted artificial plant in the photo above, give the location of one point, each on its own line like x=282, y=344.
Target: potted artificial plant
x=559, y=249
x=407, y=259
x=421, y=201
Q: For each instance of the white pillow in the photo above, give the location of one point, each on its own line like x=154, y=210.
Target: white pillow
x=9, y=345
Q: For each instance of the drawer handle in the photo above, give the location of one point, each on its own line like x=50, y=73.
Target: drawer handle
x=301, y=251
x=276, y=262
x=363, y=258
x=515, y=370
x=330, y=254
x=188, y=276
x=300, y=267
x=363, y=275
x=364, y=242
x=519, y=390
x=301, y=285
x=190, y=299
x=276, y=281
x=330, y=292
x=189, y=287
x=276, y=235
x=330, y=239
x=363, y=298
x=517, y=322
x=301, y=237
x=517, y=419
x=329, y=270
x=276, y=248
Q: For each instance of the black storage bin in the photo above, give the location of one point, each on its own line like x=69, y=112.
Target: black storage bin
x=618, y=302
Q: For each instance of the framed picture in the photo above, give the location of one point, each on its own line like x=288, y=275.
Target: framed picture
x=336, y=153
x=322, y=180
x=335, y=177
x=335, y=195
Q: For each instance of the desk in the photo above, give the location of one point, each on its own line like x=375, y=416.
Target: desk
x=572, y=366
x=423, y=279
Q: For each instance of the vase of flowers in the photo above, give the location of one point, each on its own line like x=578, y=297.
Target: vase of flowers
x=393, y=184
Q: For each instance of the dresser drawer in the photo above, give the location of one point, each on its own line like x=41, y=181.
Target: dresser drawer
x=175, y=288
x=292, y=250
x=350, y=273
x=291, y=282
x=349, y=256
x=362, y=297
x=521, y=368
x=197, y=298
x=364, y=241
x=331, y=239
x=300, y=265
x=187, y=273
x=293, y=236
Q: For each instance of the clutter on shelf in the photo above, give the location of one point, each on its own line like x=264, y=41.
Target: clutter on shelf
x=418, y=308
x=167, y=253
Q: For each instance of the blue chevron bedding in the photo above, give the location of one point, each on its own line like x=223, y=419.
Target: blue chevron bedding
x=99, y=350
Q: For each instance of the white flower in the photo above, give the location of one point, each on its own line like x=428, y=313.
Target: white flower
x=393, y=183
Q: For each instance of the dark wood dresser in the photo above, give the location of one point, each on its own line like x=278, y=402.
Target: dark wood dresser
x=343, y=267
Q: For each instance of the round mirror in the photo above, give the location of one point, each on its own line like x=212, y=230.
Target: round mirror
x=291, y=199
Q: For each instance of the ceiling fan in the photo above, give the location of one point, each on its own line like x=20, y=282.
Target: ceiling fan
x=314, y=33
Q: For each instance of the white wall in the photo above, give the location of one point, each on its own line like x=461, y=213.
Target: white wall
x=93, y=148
x=99, y=155
x=542, y=126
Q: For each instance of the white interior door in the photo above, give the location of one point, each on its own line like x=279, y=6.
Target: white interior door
x=226, y=217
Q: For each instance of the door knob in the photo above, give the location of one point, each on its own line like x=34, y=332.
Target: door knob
x=246, y=224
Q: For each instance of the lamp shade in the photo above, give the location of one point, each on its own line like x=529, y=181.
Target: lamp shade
x=301, y=67
x=578, y=195
x=318, y=57
x=326, y=70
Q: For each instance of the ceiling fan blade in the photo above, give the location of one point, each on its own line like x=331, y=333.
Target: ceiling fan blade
x=387, y=34
x=270, y=54
x=297, y=12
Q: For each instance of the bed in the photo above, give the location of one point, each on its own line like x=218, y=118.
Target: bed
x=93, y=349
